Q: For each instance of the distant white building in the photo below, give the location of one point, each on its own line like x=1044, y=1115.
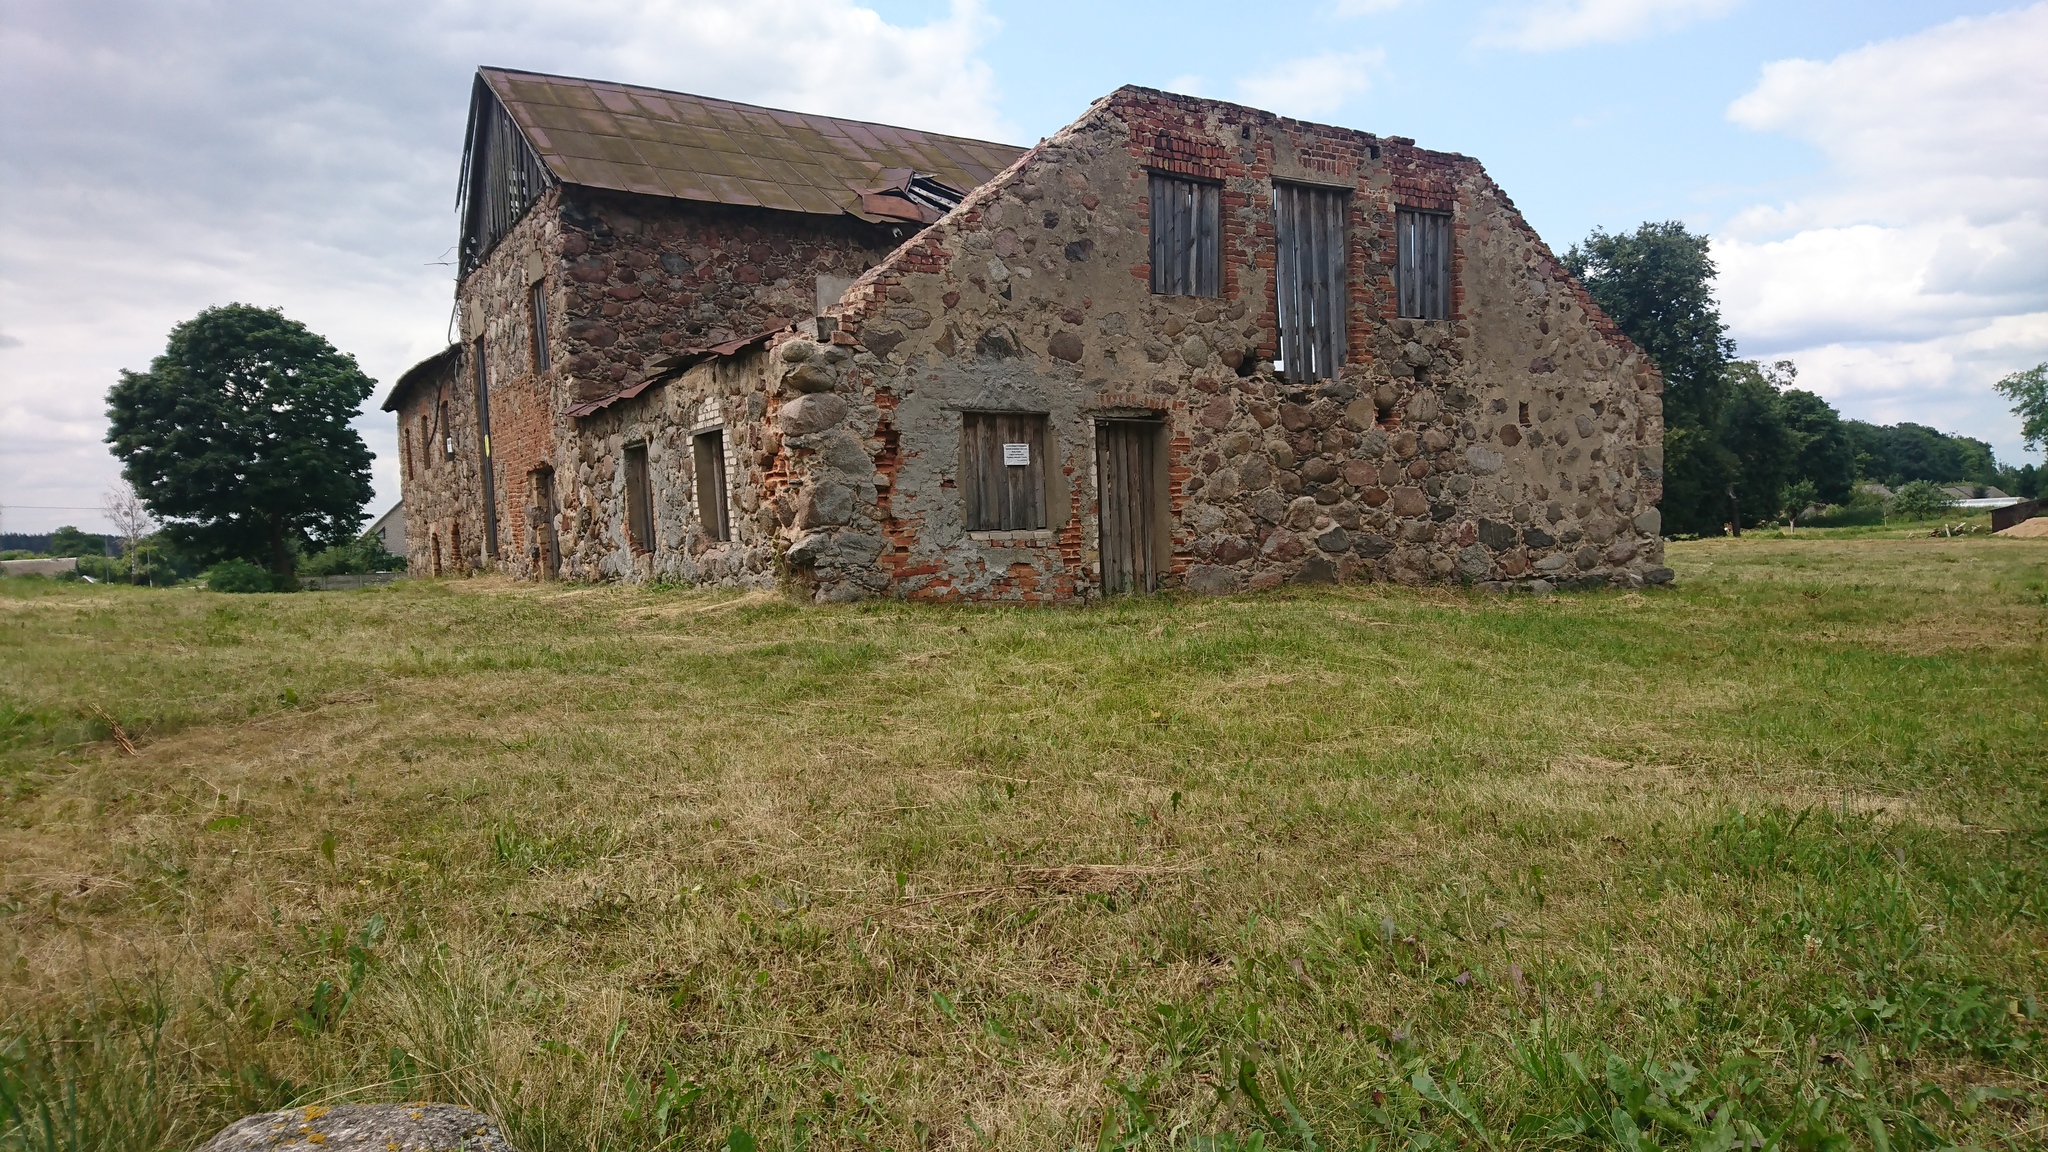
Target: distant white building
x=390, y=528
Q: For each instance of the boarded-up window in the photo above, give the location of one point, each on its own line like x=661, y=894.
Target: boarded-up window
x=639, y=499
x=709, y=451
x=1186, y=239
x=538, y=316
x=1422, y=278
x=1003, y=470
x=1310, y=277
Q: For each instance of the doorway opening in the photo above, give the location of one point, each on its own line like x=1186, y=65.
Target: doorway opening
x=1130, y=471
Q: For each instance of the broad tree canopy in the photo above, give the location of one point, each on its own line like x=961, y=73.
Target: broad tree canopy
x=238, y=437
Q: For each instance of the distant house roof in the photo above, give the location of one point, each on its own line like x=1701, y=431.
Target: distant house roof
x=627, y=138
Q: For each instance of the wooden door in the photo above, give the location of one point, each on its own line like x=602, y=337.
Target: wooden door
x=544, y=533
x=1129, y=462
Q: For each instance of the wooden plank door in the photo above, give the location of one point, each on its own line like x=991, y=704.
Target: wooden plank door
x=1127, y=460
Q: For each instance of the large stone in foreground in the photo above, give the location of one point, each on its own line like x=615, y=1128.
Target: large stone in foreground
x=364, y=1128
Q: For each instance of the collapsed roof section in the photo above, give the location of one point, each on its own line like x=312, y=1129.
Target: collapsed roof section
x=529, y=131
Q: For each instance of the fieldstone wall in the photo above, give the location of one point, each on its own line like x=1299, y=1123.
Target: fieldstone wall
x=628, y=280
x=443, y=513
x=726, y=393
x=1518, y=443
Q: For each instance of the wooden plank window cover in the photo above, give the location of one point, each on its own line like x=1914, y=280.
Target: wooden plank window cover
x=708, y=449
x=1003, y=497
x=1186, y=237
x=639, y=499
x=1422, y=278
x=1310, y=278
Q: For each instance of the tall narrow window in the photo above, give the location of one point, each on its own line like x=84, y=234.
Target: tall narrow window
x=639, y=499
x=406, y=457
x=1003, y=470
x=1186, y=239
x=447, y=434
x=1422, y=278
x=537, y=299
x=1310, y=278
x=708, y=448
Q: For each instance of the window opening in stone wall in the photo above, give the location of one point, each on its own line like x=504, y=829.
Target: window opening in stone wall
x=1186, y=237
x=1422, y=273
x=407, y=458
x=483, y=434
x=708, y=452
x=1003, y=470
x=1310, y=279
x=455, y=557
x=447, y=434
x=436, y=538
x=1522, y=414
x=639, y=499
x=537, y=309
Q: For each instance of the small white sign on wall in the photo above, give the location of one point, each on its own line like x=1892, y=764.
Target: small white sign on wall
x=1017, y=455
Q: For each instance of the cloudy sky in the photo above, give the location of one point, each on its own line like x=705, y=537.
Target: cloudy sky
x=1874, y=173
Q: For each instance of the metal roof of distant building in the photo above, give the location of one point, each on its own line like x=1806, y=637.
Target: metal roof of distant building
x=645, y=140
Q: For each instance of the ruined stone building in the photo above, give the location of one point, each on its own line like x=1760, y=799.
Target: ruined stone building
x=1181, y=343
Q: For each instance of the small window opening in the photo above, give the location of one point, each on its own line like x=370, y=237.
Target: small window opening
x=1422, y=274
x=447, y=434
x=708, y=448
x=1004, y=471
x=1522, y=417
x=639, y=499
x=537, y=298
x=1186, y=240
x=406, y=457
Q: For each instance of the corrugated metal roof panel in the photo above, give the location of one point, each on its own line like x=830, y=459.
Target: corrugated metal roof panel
x=633, y=139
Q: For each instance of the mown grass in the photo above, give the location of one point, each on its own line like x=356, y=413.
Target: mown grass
x=1760, y=857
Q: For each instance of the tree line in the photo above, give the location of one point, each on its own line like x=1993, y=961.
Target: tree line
x=1740, y=437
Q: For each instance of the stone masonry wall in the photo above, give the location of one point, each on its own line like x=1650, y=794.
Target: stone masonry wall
x=726, y=394
x=628, y=279
x=1518, y=443
x=443, y=519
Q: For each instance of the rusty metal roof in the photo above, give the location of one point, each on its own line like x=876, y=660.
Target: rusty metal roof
x=645, y=140
x=669, y=367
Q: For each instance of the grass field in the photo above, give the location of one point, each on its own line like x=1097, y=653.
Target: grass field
x=1762, y=856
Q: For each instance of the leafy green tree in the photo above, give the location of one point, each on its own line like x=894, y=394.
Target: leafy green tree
x=1753, y=430
x=1657, y=285
x=1919, y=500
x=2028, y=392
x=238, y=437
x=1825, y=458
x=1799, y=496
x=69, y=541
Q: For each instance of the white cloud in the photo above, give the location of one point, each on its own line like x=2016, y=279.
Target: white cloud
x=164, y=158
x=1313, y=86
x=1548, y=25
x=1910, y=276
